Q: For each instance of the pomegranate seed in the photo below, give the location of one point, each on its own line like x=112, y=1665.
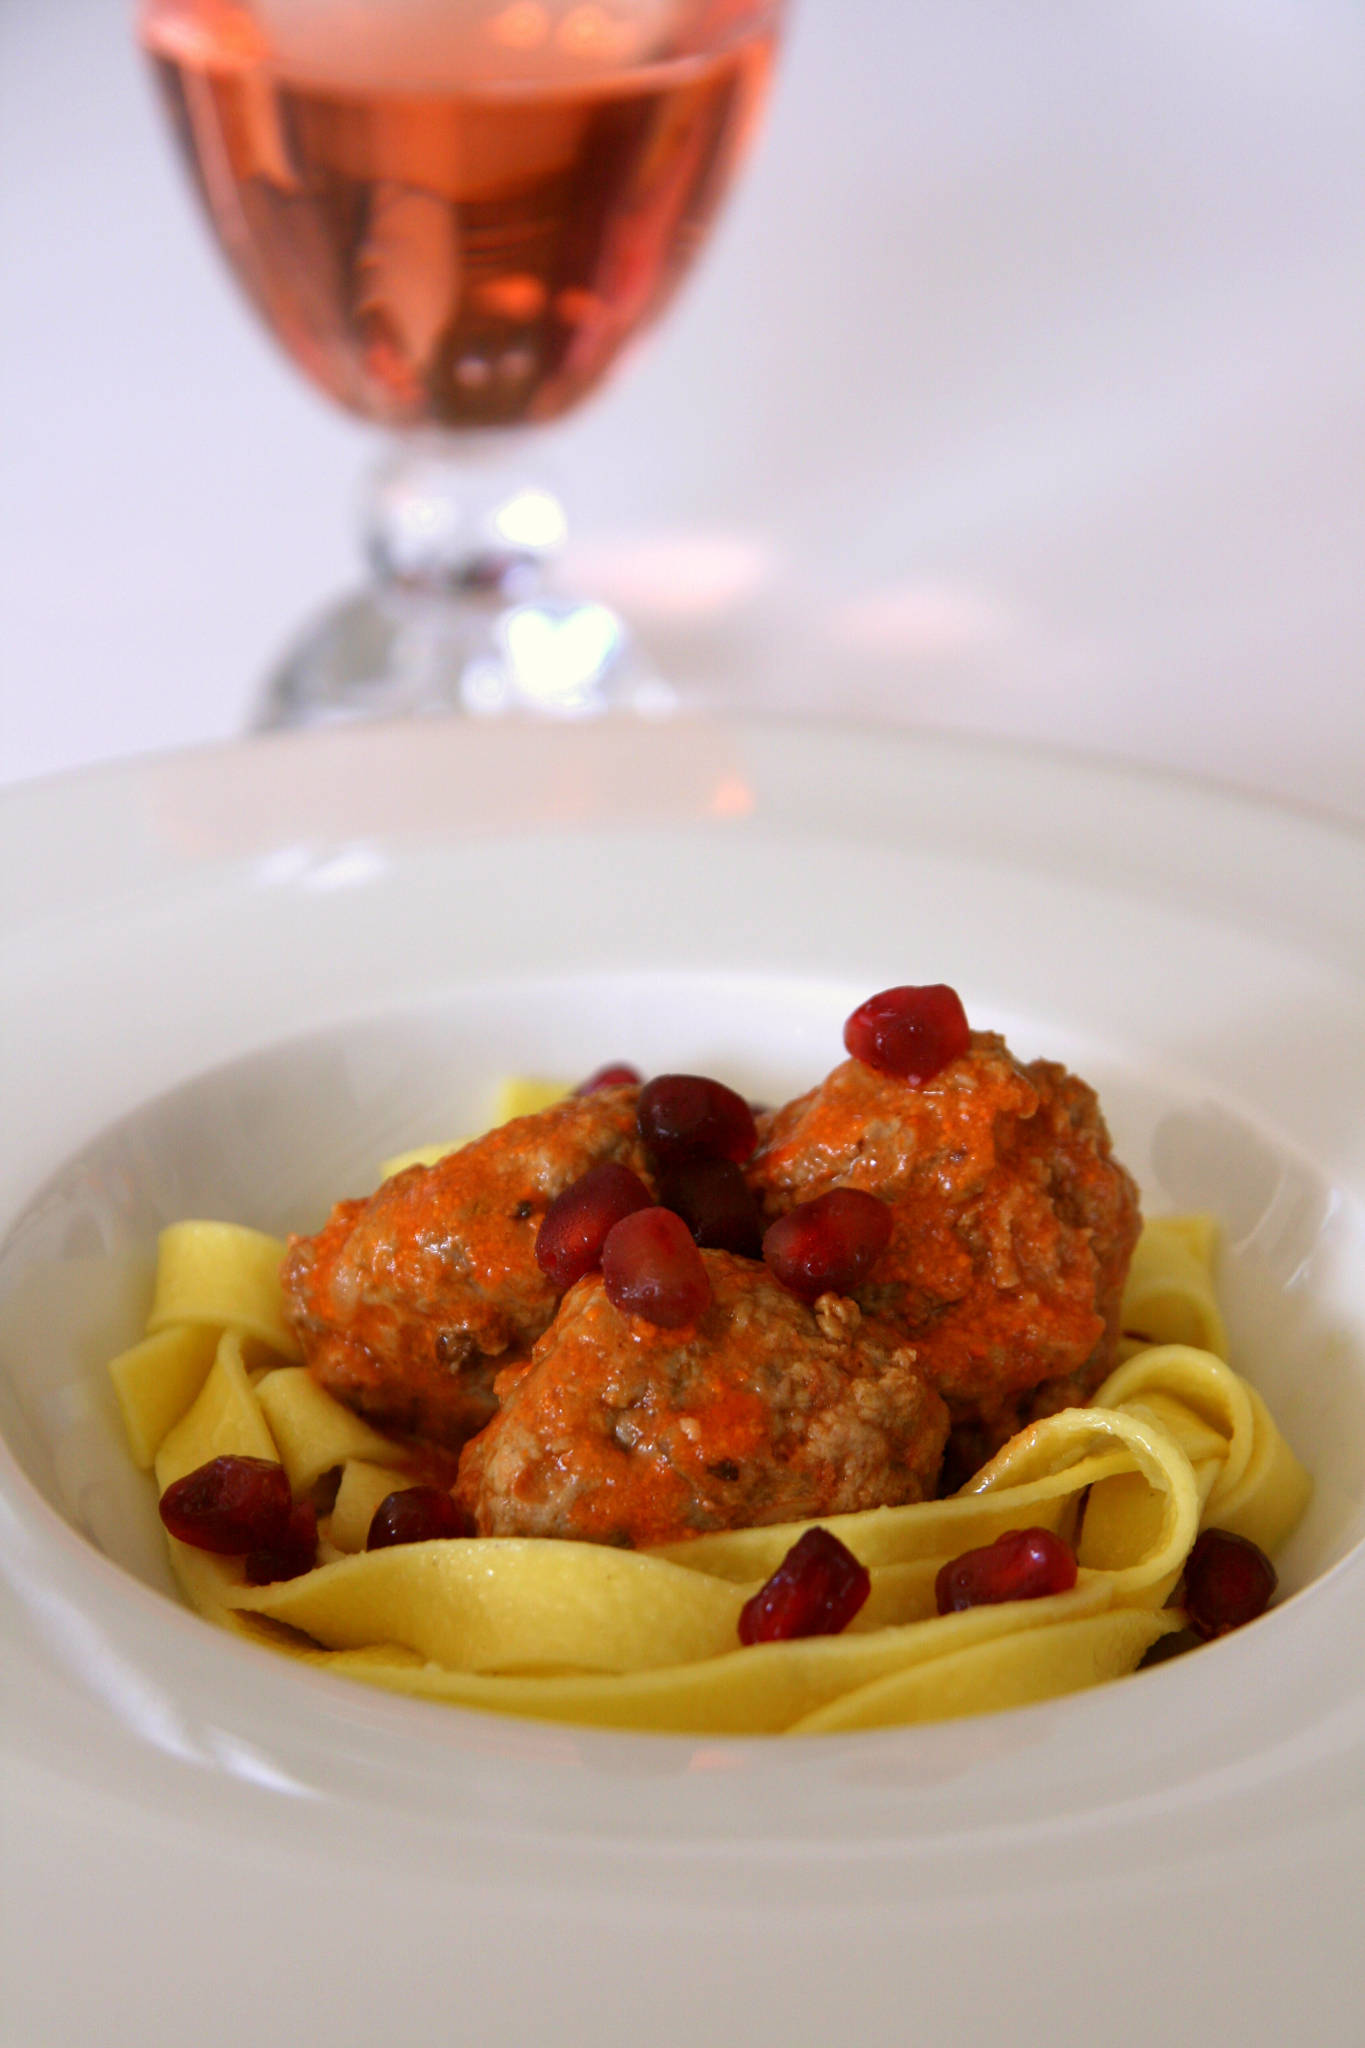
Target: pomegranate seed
x=652, y=1268
x=1023, y=1564
x=230, y=1506
x=619, y=1076
x=716, y=1204
x=830, y=1245
x=575, y=1226
x=685, y=1116
x=416, y=1514
x=1228, y=1581
x=815, y=1591
x=909, y=1032
x=294, y=1554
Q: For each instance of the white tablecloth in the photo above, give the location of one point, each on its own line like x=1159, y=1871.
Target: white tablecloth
x=1023, y=392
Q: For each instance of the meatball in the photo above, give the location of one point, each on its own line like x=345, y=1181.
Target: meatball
x=764, y=1410
x=407, y=1304
x=1012, y=1223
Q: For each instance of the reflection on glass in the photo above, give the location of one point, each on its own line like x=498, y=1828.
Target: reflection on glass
x=455, y=215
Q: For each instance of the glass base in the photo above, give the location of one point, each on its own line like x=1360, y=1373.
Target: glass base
x=389, y=653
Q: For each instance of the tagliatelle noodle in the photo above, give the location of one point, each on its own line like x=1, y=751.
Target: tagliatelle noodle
x=763, y=1690
x=929, y=1530
x=361, y=1489
x=1250, y=1481
x=156, y=1381
x=1144, y=1567
x=315, y=1434
x=225, y=1420
x=224, y=1275
x=1021, y=1666
x=525, y=1095
x=581, y=1632
x=512, y=1604
x=1275, y=1490
x=1168, y=1297
x=477, y=1603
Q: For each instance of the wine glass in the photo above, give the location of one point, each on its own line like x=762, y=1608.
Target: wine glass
x=455, y=215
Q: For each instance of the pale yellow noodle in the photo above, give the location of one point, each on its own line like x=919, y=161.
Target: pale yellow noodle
x=926, y=1529
x=1169, y=1296
x=1149, y=1548
x=1249, y=1479
x=314, y=1433
x=157, y=1380
x=221, y=1274
x=514, y=1603
x=582, y=1632
x=1018, y=1668
x=362, y=1487
x=763, y=1690
x=224, y=1421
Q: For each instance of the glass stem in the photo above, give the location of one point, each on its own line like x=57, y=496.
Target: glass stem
x=458, y=534
x=460, y=519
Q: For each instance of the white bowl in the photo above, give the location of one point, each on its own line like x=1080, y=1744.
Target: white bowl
x=239, y=979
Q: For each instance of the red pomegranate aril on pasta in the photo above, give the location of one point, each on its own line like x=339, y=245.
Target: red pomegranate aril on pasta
x=716, y=1203
x=294, y=1554
x=1229, y=1580
x=575, y=1226
x=618, y=1076
x=230, y=1505
x=815, y=1591
x=651, y=1268
x=416, y=1514
x=687, y=1116
x=1023, y=1564
x=911, y=1033
x=830, y=1245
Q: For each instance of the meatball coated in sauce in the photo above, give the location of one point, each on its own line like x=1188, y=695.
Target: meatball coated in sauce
x=407, y=1304
x=1012, y=1222
x=764, y=1410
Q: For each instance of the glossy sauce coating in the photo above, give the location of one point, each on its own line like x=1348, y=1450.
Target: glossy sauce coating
x=995, y=1300
x=1012, y=1222
x=764, y=1410
x=405, y=1305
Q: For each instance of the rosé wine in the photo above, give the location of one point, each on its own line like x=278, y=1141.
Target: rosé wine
x=456, y=213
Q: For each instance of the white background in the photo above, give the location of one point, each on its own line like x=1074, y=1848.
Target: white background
x=1023, y=392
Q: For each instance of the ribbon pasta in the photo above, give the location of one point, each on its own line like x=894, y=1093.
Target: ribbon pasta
x=1168, y=1297
x=553, y=1629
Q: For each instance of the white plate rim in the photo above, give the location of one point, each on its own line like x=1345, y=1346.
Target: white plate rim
x=1256, y=861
